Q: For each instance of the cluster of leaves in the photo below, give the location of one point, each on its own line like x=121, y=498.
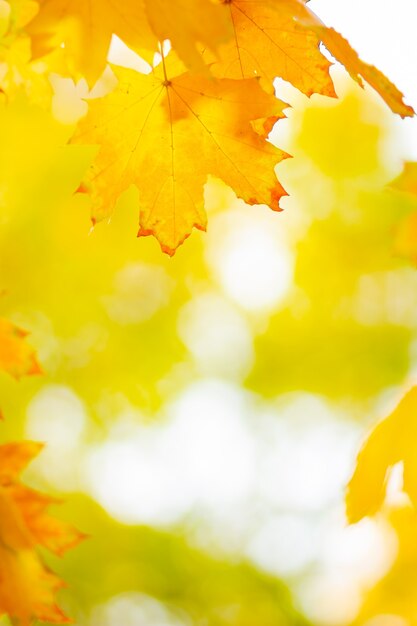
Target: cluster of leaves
x=206, y=109
x=27, y=587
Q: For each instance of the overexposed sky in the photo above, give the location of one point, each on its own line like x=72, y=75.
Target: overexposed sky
x=383, y=32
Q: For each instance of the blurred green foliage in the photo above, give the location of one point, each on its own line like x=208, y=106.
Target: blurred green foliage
x=103, y=310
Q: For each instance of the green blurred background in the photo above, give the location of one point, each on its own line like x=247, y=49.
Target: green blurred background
x=203, y=413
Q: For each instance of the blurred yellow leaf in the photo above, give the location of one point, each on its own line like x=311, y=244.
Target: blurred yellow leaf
x=394, y=595
x=392, y=441
x=88, y=26
x=407, y=181
x=406, y=232
x=17, y=72
x=17, y=357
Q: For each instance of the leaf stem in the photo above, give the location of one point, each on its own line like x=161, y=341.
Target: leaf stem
x=166, y=82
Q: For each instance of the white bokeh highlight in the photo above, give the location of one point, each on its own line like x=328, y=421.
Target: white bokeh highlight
x=249, y=257
x=217, y=335
x=57, y=417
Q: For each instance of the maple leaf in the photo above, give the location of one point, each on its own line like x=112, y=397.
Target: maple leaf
x=270, y=38
x=190, y=24
x=342, y=51
x=86, y=28
x=392, y=441
x=89, y=25
x=165, y=133
x=27, y=587
x=16, y=355
x=269, y=43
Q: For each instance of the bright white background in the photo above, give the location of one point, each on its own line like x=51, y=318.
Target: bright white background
x=383, y=32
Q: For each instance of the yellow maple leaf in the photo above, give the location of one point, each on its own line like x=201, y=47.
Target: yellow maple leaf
x=269, y=43
x=85, y=27
x=165, y=133
x=17, y=357
x=392, y=441
x=88, y=25
x=188, y=24
x=27, y=587
x=268, y=38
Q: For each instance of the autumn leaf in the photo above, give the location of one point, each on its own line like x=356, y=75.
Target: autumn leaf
x=392, y=441
x=16, y=14
x=89, y=25
x=17, y=73
x=165, y=133
x=86, y=28
x=16, y=355
x=190, y=24
x=265, y=38
x=405, y=243
x=269, y=43
x=407, y=181
x=342, y=51
x=151, y=129
x=27, y=587
x=406, y=234
x=281, y=39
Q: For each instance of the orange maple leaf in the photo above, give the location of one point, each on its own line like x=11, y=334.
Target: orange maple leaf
x=280, y=38
x=17, y=357
x=343, y=52
x=165, y=133
x=27, y=587
x=268, y=42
